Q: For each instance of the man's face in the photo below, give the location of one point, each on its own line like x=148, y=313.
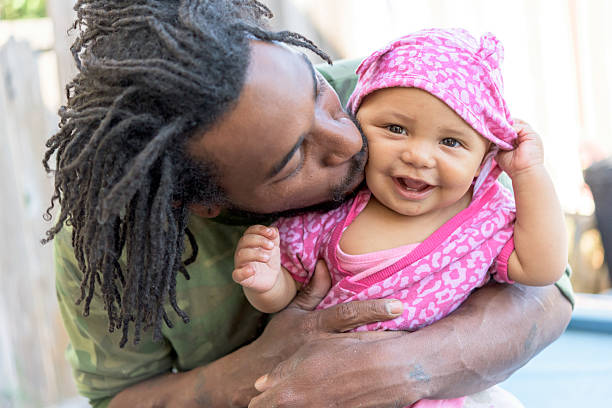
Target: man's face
x=287, y=143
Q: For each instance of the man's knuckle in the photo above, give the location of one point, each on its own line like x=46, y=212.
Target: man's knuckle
x=309, y=325
x=377, y=309
x=346, y=312
x=285, y=398
x=279, y=370
x=306, y=290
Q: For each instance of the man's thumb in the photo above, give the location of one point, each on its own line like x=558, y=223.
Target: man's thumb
x=312, y=294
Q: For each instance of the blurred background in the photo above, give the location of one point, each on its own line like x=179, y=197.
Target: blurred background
x=558, y=77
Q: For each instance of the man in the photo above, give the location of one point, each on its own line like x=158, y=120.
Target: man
x=188, y=110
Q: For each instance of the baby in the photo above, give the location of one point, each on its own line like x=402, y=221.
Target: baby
x=434, y=223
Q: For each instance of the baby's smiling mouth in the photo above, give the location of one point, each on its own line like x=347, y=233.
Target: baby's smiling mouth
x=412, y=184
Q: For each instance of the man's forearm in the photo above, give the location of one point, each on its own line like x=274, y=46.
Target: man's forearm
x=495, y=332
x=227, y=382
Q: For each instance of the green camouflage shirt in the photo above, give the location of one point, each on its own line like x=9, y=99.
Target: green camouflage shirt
x=221, y=318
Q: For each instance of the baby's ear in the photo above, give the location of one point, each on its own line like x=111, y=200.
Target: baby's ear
x=205, y=211
x=491, y=150
x=479, y=169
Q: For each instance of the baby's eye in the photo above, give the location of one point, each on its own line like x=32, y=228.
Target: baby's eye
x=450, y=142
x=396, y=129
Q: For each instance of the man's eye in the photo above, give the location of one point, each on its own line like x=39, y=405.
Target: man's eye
x=450, y=142
x=396, y=129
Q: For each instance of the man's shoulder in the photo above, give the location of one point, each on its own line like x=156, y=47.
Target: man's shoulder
x=340, y=69
x=341, y=76
x=215, y=246
x=66, y=266
x=220, y=318
x=213, y=237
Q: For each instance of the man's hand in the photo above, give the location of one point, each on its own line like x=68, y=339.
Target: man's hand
x=229, y=381
x=497, y=330
x=299, y=324
x=350, y=370
x=310, y=362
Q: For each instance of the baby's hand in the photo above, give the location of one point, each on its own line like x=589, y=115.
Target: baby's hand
x=257, y=258
x=528, y=153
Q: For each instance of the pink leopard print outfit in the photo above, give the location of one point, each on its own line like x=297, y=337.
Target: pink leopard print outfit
x=432, y=280
x=436, y=276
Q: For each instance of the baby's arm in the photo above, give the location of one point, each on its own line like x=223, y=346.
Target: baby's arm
x=268, y=286
x=540, y=239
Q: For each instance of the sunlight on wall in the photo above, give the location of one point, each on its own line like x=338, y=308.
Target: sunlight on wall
x=557, y=69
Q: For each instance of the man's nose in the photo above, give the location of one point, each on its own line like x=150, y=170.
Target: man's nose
x=339, y=140
x=418, y=154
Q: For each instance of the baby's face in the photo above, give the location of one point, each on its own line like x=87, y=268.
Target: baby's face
x=422, y=156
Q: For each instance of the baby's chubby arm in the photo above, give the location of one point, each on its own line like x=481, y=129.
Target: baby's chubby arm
x=268, y=286
x=540, y=238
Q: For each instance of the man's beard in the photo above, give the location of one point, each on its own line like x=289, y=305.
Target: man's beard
x=340, y=194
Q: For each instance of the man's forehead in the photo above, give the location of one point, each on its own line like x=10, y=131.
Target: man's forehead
x=260, y=45
x=269, y=53
x=274, y=109
x=273, y=57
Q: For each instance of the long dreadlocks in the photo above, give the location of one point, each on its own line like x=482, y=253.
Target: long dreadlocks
x=152, y=73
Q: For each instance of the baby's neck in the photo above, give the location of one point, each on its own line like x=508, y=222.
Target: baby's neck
x=388, y=229
x=418, y=226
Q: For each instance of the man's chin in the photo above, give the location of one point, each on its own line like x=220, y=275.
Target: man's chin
x=336, y=202
x=239, y=216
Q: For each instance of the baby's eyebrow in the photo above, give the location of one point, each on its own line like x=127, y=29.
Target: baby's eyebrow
x=452, y=132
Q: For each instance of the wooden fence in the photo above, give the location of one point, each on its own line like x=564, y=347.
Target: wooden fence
x=33, y=370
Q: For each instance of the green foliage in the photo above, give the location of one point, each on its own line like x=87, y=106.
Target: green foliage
x=14, y=9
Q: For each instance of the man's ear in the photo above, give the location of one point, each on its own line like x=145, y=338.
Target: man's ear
x=205, y=211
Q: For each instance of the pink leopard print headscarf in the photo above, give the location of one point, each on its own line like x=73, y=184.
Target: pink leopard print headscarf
x=453, y=66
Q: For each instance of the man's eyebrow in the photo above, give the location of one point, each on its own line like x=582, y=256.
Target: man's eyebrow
x=281, y=164
x=315, y=81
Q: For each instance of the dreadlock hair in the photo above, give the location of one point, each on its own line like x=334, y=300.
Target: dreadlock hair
x=151, y=74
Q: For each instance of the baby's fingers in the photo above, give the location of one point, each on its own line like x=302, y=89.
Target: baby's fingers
x=243, y=275
x=256, y=241
x=268, y=232
x=246, y=255
x=522, y=127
